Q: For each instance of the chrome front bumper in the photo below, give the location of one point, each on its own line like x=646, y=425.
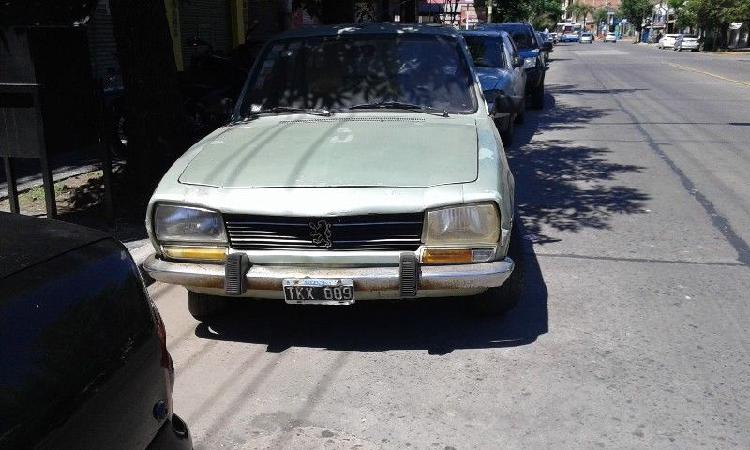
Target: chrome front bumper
x=370, y=283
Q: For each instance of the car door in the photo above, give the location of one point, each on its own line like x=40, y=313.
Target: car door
x=519, y=74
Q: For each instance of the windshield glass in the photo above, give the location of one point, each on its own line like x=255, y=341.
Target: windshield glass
x=486, y=51
x=339, y=72
x=522, y=35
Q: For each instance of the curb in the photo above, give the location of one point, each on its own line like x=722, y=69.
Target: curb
x=31, y=182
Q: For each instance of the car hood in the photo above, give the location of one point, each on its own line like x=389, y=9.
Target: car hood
x=493, y=78
x=528, y=53
x=357, y=150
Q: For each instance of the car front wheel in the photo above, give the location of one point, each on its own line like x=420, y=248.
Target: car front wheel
x=204, y=306
x=499, y=300
x=507, y=130
x=537, y=97
x=521, y=114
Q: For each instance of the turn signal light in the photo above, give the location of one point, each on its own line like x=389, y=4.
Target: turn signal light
x=446, y=256
x=205, y=254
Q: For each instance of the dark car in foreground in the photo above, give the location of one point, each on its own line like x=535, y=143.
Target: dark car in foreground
x=532, y=52
x=83, y=357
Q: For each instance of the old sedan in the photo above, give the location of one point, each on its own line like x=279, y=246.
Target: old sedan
x=361, y=164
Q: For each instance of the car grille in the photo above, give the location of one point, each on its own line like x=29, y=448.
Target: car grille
x=369, y=232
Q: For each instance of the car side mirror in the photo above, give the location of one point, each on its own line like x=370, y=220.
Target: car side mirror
x=517, y=61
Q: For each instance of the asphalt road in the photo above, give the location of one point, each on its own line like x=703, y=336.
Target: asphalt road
x=633, y=330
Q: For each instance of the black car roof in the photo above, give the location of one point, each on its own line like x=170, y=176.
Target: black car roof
x=26, y=241
x=368, y=28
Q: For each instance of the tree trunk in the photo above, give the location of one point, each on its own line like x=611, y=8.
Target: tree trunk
x=722, y=42
x=156, y=125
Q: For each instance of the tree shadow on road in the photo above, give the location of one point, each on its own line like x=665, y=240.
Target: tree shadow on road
x=562, y=184
x=438, y=326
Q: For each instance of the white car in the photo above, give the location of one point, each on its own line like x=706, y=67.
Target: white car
x=667, y=41
x=322, y=193
x=610, y=37
x=684, y=42
x=569, y=37
x=586, y=38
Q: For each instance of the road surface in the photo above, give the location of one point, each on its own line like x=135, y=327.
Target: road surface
x=633, y=329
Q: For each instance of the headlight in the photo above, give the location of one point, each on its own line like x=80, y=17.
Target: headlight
x=529, y=62
x=188, y=224
x=463, y=226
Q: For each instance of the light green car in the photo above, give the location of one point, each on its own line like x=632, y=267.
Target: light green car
x=361, y=164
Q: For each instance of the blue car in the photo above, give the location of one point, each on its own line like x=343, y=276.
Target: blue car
x=531, y=51
x=501, y=74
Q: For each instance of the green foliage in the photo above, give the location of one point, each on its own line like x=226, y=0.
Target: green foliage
x=600, y=15
x=712, y=14
x=541, y=13
x=635, y=11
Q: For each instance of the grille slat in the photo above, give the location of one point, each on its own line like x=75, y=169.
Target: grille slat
x=371, y=232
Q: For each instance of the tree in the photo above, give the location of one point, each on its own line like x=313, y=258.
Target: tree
x=600, y=15
x=545, y=14
x=714, y=17
x=580, y=10
x=157, y=126
x=635, y=11
x=541, y=13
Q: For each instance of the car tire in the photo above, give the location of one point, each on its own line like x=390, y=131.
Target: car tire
x=499, y=300
x=537, y=97
x=204, y=306
x=508, y=129
x=521, y=114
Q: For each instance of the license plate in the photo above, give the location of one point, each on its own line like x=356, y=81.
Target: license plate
x=310, y=291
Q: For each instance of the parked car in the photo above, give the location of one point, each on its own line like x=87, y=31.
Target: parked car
x=554, y=37
x=330, y=185
x=686, y=42
x=586, y=38
x=667, y=41
x=610, y=37
x=545, y=46
x=531, y=50
x=501, y=75
x=83, y=350
x=570, y=37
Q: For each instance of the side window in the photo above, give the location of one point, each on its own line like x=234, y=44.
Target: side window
x=510, y=47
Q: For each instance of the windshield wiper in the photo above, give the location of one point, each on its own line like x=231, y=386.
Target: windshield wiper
x=279, y=109
x=252, y=115
x=401, y=105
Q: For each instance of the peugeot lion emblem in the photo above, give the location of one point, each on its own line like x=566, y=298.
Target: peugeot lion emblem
x=320, y=233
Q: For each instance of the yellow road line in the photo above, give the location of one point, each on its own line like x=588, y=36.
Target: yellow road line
x=690, y=69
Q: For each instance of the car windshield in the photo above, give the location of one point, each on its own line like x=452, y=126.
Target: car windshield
x=487, y=51
x=521, y=34
x=345, y=71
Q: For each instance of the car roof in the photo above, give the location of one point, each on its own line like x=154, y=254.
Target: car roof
x=27, y=241
x=484, y=33
x=368, y=28
x=504, y=25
